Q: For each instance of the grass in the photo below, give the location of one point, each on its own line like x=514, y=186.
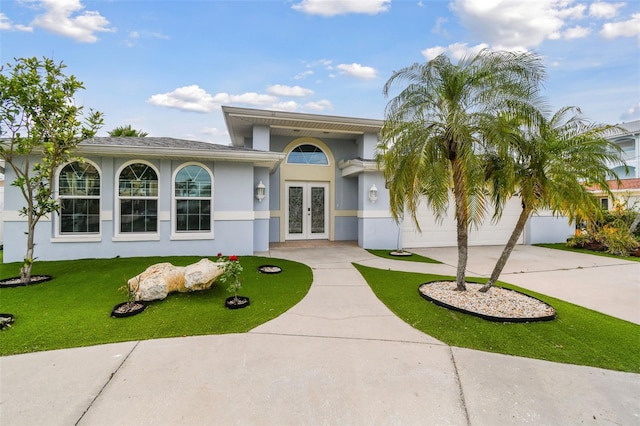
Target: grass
x=413, y=258
x=74, y=308
x=577, y=336
x=563, y=246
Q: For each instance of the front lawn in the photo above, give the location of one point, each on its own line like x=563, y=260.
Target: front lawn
x=577, y=336
x=74, y=308
x=413, y=258
x=563, y=246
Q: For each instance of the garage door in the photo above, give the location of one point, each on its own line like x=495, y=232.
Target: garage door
x=443, y=234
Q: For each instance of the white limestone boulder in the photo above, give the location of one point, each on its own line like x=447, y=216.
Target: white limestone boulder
x=158, y=280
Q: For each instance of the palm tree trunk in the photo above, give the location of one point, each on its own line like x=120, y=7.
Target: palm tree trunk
x=506, y=252
x=635, y=223
x=462, y=224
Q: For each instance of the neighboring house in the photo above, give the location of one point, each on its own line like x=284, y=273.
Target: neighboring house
x=628, y=190
x=285, y=177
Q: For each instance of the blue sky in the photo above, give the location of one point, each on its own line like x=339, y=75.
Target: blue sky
x=166, y=67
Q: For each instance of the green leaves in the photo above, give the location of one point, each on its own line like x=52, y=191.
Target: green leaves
x=39, y=119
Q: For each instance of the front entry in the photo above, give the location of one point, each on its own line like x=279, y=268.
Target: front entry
x=307, y=216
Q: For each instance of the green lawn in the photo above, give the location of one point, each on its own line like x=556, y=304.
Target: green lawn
x=73, y=309
x=563, y=246
x=413, y=258
x=577, y=336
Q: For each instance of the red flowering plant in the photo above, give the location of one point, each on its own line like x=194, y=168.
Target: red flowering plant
x=231, y=274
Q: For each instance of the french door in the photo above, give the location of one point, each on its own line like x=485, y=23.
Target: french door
x=307, y=216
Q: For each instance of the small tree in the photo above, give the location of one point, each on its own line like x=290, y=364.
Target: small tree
x=40, y=128
x=127, y=131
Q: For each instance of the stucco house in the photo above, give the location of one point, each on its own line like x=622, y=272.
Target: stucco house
x=628, y=190
x=285, y=177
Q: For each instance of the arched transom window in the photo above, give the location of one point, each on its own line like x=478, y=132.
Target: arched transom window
x=79, y=194
x=138, y=194
x=193, y=199
x=307, y=154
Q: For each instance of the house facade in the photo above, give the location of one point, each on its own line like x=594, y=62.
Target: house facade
x=285, y=177
x=627, y=191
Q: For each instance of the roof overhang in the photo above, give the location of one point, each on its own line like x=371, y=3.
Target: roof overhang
x=241, y=121
x=357, y=166
x=258, y=158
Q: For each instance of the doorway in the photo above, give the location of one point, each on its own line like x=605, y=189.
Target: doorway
x=307, y=210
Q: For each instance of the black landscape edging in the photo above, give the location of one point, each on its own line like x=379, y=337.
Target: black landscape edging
x=136, y=311
x=10, y=320
x=229, y=305
x=35, y=279
x=263, y=269
x=489, y=317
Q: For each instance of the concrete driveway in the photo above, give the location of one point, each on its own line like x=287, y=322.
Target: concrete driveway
x=339, y=357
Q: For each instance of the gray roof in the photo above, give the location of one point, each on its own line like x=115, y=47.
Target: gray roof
x=631, y=126
x=180, y=149
x=159, y=143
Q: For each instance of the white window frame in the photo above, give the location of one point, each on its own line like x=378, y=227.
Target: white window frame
x=134, y=236
x=59, y=236
x=307, y=164
x=190, y=235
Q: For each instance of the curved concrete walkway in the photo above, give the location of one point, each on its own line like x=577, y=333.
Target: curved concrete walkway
x=339, y=357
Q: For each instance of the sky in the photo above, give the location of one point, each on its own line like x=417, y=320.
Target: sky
x=166, y=67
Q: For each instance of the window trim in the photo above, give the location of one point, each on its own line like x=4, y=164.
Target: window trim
x=134, y=236
x=307, y=164
x=77, y=236
x=190, y=235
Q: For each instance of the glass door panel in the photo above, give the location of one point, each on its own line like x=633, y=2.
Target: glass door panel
x=307, y=215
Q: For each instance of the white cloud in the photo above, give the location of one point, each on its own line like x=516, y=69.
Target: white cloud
x=628, y=28
x=7, y=25
x=63, y=17
x=517, y=24
x=358, y=71
x=321, y=105
x=303, y=75
x=433, y=52
x=291, y=91
x=189, y=98
x=290, y=106
x=604, y=10
x=194, y=98
x=576, y=32
x=633, y=113
x=438, y=28
x=342, y=7
x=455, y=51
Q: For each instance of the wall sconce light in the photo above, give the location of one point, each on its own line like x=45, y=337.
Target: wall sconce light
x=373, y=194
x=260, y=190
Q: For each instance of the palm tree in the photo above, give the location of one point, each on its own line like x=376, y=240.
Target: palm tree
x=127, y=131
x=549, y=165
x=437, y=126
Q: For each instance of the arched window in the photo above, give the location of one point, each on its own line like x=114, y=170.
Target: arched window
x=307, y=154
x=79, y=194
x=138, y=196
x=192, y=192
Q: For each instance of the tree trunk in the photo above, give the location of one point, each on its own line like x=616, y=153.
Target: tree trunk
x=462, y=224
x=25, y=271
x=506, y=252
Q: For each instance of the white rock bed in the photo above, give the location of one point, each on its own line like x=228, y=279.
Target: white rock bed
x=497, y=302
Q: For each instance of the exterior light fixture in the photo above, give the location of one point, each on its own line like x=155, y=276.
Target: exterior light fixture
x=373, y=194
x=260, y=190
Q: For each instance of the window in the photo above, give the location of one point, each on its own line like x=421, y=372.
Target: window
x=193, y=199
x=79, y=193
x=604, y=203
x=138, y=196
x=307, y=154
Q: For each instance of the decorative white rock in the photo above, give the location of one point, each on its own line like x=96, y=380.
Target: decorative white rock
x=158, y=280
